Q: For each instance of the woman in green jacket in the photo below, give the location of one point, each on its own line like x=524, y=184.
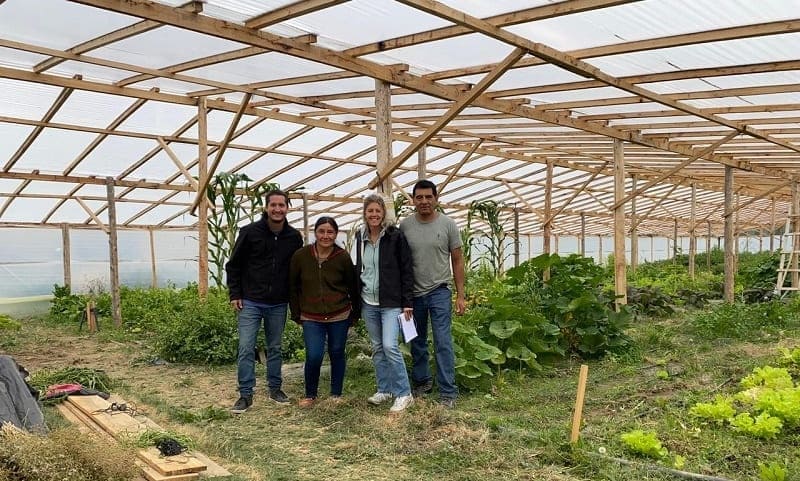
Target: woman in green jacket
x=324, y=299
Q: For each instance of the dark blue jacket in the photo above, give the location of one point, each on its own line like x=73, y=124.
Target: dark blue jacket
x=258, y=269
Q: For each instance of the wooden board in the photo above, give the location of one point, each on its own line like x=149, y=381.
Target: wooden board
x=171, y=465
x=114, y=423
x=94, y=403
x=152, y=475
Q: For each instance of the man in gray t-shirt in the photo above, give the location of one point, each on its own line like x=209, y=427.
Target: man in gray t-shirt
x=435, y=247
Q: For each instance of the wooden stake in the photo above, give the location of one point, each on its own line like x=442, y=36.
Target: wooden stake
x=578, y=413
x=620, y=280
x=729, y=237
x=203, y=204
x=91, y=320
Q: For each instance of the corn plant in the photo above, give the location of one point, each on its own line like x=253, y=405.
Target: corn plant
x=491, y=212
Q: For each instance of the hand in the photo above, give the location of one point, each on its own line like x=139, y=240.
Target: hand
x=409, y=312
x=461, y=304
x=236, y=304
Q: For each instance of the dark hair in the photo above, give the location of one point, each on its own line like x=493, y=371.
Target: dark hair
x=424, y=184
x=277, y=192
x=326, y=220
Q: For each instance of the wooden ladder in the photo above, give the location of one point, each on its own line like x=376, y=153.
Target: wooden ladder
x=789, y=267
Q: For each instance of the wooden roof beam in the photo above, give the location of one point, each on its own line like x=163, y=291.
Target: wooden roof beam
x=337, y=59
x=136, y=105
x=14, y=195
x=287, y=12
x=460, y=104
x=48, y=116
x=111, y=37
x=580, y=67
x=201, y=191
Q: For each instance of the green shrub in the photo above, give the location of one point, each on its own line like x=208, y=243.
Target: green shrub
x=743, y=321
x=574, y=300
x=9, y=324
x=202, y=331
x=649, y=301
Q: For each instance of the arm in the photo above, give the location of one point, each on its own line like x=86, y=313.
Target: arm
x=457, y=260
x=233, y=269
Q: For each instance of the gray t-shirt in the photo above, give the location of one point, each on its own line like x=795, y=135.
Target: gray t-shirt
x=431, y=243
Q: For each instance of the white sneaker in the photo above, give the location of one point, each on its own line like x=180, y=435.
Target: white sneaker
x=401, y=403
x=379, y=398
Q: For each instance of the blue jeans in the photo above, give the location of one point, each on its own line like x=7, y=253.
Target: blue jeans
x=249, y=322
x=315, y=334
x=436, y=305
x=390, y=368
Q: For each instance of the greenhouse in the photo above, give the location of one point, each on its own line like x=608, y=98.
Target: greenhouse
x=634, y=162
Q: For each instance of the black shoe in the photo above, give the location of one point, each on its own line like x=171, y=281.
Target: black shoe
x=423, y=388
x=278, y=396
x=242, y=404
x=448, y=402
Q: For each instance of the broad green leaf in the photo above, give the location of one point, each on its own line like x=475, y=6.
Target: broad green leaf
x=504, y=329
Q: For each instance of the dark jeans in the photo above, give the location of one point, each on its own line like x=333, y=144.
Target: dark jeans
x=274, y=316
x=436, y=305
x=315, y=335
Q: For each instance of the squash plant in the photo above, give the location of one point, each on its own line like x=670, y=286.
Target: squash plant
x=574, y=300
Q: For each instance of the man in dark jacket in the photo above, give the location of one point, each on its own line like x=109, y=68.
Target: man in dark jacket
x=258, y=280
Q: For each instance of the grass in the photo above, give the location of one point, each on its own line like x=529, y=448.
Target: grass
x=518, y=430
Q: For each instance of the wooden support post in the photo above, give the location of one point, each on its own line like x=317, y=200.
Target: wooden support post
x=795, y=234
x=772, y=227
x=675, y=239
x=652, y=249
x=730, y=267
x=422, y=171
x=116, y=310
x=736, y=233
x=202, y=219
x=583, y=234
x=548, y=204
x=600, y=250
x=692, y=238
x=555, y=244
x=153, y=272
x=633, y=232
x=577, y=414
x=708, y=247
x=383, y=133
x=66, y=255
x=516, y=236
x=547, y=229
x=306, y=224
x=620, y=281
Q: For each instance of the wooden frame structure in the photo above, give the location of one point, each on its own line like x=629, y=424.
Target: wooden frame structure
x=529, y=107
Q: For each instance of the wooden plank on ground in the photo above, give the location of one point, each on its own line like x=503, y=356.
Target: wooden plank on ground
x=115, y=423
x=152, y=475
x=93, y=403
x=171, y=465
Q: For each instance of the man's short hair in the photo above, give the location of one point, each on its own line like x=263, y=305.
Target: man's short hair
x=277, y=192
x=424, y=184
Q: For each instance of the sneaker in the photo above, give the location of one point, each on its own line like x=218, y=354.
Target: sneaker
x=401, y=403
x=448, y=402
x=336, y=400
x=278, y=396
x=242, y=404
x=306, y=402
x=423, y=388
x=379, y=398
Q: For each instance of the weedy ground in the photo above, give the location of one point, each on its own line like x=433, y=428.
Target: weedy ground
x=517, y=430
